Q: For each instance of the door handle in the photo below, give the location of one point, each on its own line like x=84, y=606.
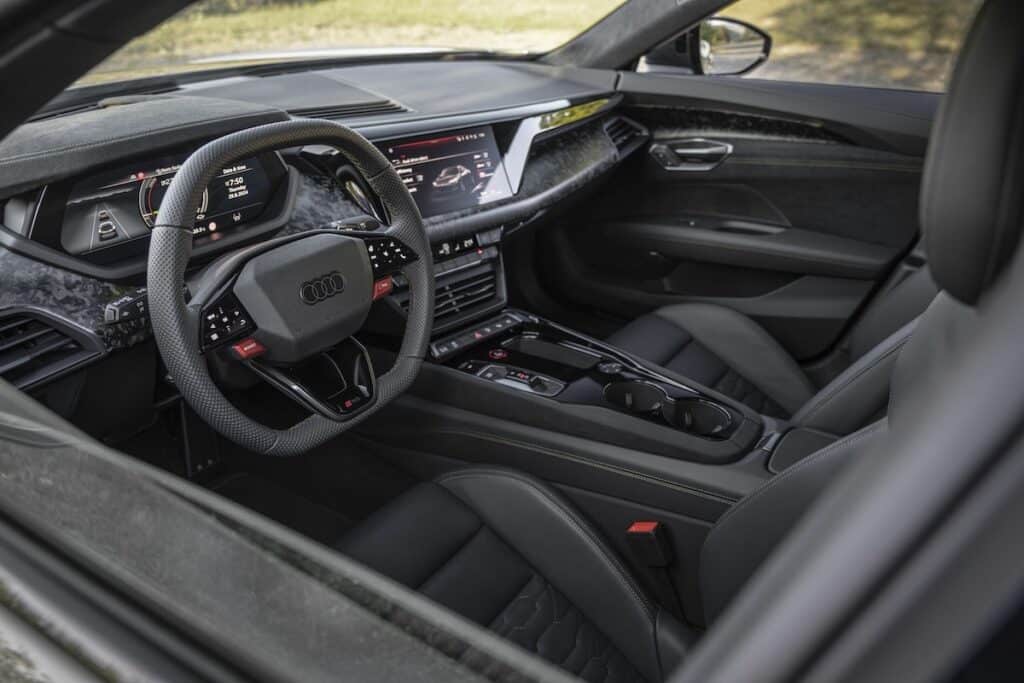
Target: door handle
x=690, y=154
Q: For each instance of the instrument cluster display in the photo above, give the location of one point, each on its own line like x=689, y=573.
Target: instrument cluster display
x=124, y=204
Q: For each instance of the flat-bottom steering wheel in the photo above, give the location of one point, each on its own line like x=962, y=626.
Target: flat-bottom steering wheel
x=298, y=297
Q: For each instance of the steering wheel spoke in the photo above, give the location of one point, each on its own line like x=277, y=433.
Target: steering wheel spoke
x=337, y=384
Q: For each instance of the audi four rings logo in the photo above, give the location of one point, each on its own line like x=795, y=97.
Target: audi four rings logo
x=321, y=288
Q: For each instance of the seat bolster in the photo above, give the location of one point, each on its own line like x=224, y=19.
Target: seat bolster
x=675, y=641
x=749, y=531
x=747, y=348
x=859, y=393
x=552, y=537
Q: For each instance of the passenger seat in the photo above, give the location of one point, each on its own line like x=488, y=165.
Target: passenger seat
x=725, y=350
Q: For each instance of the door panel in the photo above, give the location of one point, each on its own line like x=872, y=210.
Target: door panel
x=796, y=224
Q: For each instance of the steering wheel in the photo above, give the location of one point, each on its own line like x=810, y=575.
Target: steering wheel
x=296, y=299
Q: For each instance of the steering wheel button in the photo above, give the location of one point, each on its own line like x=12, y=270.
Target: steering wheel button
x=248, y=348
x=382, y=288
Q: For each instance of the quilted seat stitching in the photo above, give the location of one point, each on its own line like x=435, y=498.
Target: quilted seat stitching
x=604, y=654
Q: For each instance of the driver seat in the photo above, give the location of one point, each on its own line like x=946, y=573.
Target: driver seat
x=513, y=555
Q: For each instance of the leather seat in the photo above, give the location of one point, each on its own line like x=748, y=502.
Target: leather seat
x=510, y=553
x=727, y=351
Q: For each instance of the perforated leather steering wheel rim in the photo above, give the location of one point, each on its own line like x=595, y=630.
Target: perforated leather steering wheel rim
x=175, y=322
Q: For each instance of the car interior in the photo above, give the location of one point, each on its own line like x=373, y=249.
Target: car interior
x=567, y=350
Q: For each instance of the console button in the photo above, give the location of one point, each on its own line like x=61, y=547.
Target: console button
x=609, y=367
x=494, y=372
x=106, y=231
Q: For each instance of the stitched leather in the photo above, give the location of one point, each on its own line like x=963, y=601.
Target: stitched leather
x=542, y=620
x=971, y=206
x=751, y=530
x=666, y=342
x=861, y=391
x=602, y=550
x=434, y=542
x=748, y=348
x=838, y=446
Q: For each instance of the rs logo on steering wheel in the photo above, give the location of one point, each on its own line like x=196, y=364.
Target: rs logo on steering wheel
x=321, y=288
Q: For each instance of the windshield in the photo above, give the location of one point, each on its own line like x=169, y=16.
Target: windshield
x=223, y=33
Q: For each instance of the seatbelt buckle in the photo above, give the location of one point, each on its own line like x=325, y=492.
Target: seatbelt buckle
x=649, y=543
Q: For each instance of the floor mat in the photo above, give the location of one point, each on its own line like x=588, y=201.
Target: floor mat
x=282, y=505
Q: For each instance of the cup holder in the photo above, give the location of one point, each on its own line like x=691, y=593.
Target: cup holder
x=698, y=416
x=636, y=396
x=690, y=414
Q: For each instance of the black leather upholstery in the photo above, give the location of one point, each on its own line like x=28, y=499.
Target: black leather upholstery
x=507, y=551
x=666, y=337
x=511, y=554
x=972, y=204
x=730, y=353
x=749, y=531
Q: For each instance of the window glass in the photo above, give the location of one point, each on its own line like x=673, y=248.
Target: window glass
x=222, y=33
x=907, y=44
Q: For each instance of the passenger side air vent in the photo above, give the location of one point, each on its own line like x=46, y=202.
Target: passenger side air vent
x=623, y=132
x=348, y=111
x=34, y=348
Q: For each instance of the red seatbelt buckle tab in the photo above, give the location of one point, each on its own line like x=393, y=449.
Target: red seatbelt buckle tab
x=649, y=543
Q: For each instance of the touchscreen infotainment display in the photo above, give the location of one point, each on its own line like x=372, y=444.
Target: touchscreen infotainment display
x=451, y=171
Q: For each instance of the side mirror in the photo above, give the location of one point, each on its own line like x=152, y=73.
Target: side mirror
x=715, y=47
x=727, y=47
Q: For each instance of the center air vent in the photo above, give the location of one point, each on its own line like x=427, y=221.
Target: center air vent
x=34, y=348
x=464, y=295
x=623, y=132
x=471, y=291
x=348, y=111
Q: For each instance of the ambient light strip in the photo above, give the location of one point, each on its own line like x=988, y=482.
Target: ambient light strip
x=564, y=117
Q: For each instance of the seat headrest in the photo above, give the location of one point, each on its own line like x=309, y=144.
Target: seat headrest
x=972, y=196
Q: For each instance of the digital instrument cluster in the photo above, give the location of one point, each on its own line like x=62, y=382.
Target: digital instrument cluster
x=450, y=172
x=124, y=204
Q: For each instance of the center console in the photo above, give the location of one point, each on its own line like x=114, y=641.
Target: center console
x=531, y=355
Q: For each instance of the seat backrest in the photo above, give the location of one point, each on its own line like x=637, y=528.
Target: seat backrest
x=972, y=214
x=894, y=309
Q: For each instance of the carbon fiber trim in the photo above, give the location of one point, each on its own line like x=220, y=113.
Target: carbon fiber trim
x=175, y=323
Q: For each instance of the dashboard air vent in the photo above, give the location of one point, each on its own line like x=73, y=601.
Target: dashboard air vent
x=623, y=132
x=33, y=348
x=466, y=293
x=348, y=111
x=461, y=296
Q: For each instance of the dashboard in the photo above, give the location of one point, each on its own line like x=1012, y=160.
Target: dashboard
x=78, y=202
